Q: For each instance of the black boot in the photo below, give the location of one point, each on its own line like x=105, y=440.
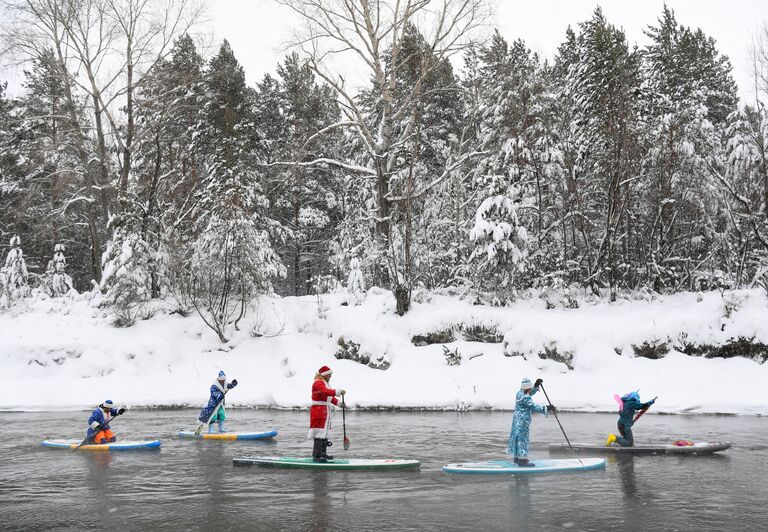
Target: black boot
x=325, y=454
x=317, y=451
x=524, y=462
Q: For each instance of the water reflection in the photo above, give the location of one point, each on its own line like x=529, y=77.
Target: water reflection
x=520, y=503
x=320, y=502
x=625, y=465
x=98, y=479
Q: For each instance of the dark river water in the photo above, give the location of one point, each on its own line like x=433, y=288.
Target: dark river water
x=192, y=485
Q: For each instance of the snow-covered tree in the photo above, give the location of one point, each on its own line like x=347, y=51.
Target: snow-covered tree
x=501, y=245
x=128, y=267
x=14, y=272
x=57, y=281
x=523, y=154
x=304, y=200
x=687, y=91
x=355, y=281
x=602, y=86
x=232, y=262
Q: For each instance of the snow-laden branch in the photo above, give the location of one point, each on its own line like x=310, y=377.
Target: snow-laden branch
x=328, y=161
x=742, y=200
x=439, y=179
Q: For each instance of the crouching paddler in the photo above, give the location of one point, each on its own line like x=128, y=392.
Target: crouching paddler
x=98, y=424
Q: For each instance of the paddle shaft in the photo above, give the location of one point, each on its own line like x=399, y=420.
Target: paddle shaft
x=94, y=434
x=643, y=411
x=344, y=423
x=561, y=425
x=215, y=410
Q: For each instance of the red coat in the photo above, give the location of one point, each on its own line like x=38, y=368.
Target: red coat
x=320, y=411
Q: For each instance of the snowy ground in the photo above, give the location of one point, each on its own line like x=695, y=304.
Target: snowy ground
x=64, y=354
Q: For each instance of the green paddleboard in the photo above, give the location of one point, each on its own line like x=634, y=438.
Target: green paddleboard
x=338, y=464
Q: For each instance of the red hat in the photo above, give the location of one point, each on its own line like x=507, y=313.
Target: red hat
x=325, y=370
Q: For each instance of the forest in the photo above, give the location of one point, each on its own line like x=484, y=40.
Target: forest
x=139, y=163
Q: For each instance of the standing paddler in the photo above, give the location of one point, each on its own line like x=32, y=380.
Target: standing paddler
x=521, y=422
x=321, y=412
x=210, y=413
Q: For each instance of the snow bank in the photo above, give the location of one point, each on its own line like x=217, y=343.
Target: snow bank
x=64, y=354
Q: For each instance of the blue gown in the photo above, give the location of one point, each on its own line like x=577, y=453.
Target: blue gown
x=521, y=423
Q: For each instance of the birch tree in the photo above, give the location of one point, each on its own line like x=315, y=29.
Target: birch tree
x=372, y=35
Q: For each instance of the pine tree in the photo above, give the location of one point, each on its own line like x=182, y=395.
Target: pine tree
x=304, y=200
x=603, y=85
x=524, y=162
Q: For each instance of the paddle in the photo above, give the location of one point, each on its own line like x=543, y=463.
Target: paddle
x=87, y=438
x=208, y=421
x=643, y=411
x=554, y=411
x=344, y=423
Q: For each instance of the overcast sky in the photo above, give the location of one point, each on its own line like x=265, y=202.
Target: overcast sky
x=257, y=29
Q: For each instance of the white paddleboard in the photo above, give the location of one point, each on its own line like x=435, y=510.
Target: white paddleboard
x=702, y=447
x=124, y=445
x=508, y=467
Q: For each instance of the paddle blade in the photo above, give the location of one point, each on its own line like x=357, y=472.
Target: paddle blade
x=346, y=443
x=199, y=429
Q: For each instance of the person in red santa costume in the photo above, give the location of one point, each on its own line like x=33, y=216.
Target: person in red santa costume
x=321, y=412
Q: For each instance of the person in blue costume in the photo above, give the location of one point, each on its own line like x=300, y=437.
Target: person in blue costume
x=98, y=424
x=210, y=414
x=630, y=404
x=521, y=422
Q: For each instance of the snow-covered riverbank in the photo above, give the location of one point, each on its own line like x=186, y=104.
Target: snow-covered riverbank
x=64, y=354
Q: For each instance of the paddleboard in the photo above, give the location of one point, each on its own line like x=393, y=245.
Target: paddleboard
x=344, y=464
x=508, y=467
x=702, y=447
x=124, y=445
x=228, y=436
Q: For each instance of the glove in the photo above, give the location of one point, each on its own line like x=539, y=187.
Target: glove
x=234, y=383
x=651, y=402
x=538, y=383
x=342, y=392
x=121, y=411
x=551, y=408
x=95, y=425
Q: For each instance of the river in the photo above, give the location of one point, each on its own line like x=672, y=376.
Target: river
x=192, y=485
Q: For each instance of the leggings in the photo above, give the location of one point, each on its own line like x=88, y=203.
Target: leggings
x=626, y=439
